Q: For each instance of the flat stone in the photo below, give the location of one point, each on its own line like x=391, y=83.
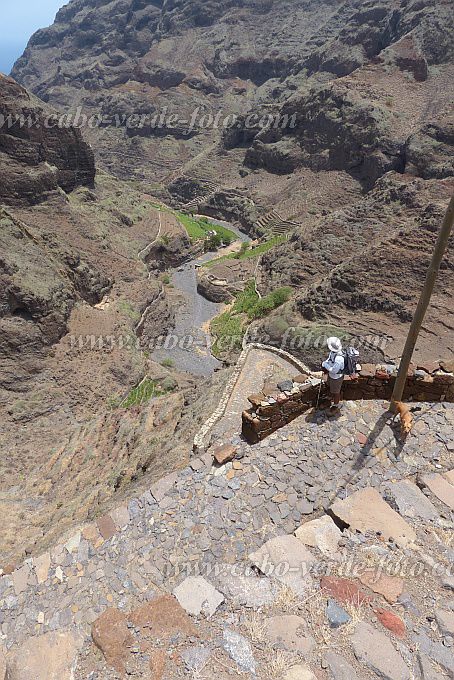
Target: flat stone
x=106, y=527
x=391, y=587
x=112, y=636
x=91, y=533
x=246, y=589
x=73, y=543
x=441, y=488
x=42, y=566
x=163, y=486
x=305, y=507
x=427, y=670
x=449, y=476
x=197, y=596
x=442, y=655
x=322, y=534
x=299, y=672
x=445, y=620
x=411, y=502
x=197, y=464
x=2, y=663
x=376, y=651
x=285, y=559
x=339, y=668
x=344, y=590
x=224, y=454
x=195, y=658
x=120, y=517
x=20, y=579
x=163, y=617
x=287, y=632
x=392, y=622
x=336, y=615
x=365, y=510
x=239, y=649
x=52, y=656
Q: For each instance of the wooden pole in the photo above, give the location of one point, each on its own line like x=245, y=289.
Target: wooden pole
x=424, y=300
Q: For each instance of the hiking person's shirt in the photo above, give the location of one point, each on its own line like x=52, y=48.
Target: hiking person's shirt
x=335, y=365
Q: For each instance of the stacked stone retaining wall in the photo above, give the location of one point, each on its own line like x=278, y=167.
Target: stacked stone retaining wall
x=272, y=411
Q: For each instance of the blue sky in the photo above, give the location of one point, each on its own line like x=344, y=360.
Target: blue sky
x=19, y=20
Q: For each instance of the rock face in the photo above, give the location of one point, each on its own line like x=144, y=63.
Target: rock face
x=305, y=44
x=36, y=159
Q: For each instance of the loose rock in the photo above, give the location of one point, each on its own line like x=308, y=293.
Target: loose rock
x=286, y=559
x=239, y=649
x=336, y=615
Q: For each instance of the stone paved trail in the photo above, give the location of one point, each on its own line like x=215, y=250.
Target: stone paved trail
x=377, y=603
x=261, y=367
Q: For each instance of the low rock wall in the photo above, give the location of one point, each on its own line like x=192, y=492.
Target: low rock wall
x=264, y=418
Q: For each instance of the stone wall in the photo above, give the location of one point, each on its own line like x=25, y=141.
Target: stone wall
x=269, y=412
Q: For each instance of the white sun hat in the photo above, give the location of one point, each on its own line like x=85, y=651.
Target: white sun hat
x=334, y=344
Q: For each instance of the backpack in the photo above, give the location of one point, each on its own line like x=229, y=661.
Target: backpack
x=351, y=359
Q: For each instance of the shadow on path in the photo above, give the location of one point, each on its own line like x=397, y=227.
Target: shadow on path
x=394, y=448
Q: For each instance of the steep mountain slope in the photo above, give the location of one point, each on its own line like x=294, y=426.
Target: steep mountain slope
x=72, y=292
x=356, y=163
x=120, y=58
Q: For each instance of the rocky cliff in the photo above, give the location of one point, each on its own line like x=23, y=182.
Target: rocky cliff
x=36, y=155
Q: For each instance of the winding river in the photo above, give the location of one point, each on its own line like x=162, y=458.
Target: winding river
x=188, y=344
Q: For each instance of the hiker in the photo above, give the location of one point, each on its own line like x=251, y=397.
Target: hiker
x=334, y=367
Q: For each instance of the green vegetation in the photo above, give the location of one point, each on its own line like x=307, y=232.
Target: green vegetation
x=271, y=301
x=229, y=328
x=148, y=389
x=126, y=308
x=245, y=252
x=165, y=279
x=199, y=228
x=229, y=331
x=168, y=363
